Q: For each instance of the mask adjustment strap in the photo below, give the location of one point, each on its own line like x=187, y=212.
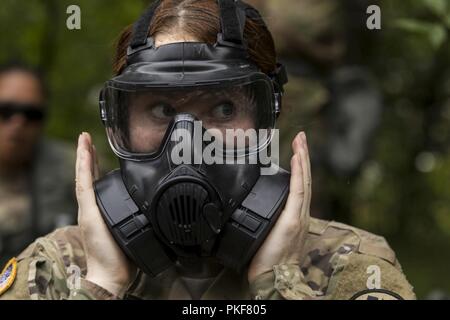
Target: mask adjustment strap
x=279, y=76
x=232, y=22
x=140, y=39
x=279, y=79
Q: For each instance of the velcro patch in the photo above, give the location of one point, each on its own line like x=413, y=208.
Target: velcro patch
x=8, y=275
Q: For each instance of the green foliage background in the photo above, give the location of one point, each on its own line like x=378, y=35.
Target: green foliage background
x=390, y=196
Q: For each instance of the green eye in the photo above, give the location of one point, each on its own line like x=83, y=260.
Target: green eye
x=223, y=111
x=163, y=111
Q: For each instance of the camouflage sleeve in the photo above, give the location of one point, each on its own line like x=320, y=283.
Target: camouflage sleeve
x=286, y=281
x=360, y=277
x=53, y=269
x=90, y=291
x=340, y=262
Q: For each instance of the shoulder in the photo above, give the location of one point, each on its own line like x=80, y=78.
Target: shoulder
x=45, y=267
x=341, y=261
x=332, y=236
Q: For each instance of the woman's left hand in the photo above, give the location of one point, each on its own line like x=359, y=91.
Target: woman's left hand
x=284, y=244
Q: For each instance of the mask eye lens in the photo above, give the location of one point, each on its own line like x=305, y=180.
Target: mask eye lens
x=138, y=118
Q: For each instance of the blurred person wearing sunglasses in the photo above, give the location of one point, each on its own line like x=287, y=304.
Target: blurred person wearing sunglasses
x=35, y=176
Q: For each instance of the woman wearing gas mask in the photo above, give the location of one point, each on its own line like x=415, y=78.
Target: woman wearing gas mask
x=199, y=229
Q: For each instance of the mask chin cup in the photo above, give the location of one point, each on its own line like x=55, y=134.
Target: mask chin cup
x=235, y=243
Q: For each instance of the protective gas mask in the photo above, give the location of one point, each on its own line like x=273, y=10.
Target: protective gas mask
x=175, y=195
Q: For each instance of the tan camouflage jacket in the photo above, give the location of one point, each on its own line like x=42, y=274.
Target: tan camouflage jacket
x=339, y=262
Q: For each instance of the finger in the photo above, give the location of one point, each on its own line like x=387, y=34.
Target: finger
x=96, y=164
x=77, y=161
x=308, y=160
x=306, y=184
x=296, y=143
x=84, y=189
x=296, y=186
x=307, y=180
x=296, y=182
x=91, y=152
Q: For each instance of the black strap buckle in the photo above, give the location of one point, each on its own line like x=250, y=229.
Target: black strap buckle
x=222, y=42
x=148, y=44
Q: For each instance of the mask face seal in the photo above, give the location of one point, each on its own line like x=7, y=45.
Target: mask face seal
x=160, y=210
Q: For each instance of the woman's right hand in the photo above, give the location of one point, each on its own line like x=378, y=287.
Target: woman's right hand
x=107, y=265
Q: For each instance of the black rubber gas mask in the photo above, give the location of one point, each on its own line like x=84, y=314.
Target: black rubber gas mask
x=190, y=122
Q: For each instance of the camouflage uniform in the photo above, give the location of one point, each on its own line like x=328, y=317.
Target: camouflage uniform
x=336, y=264
x=34, y=203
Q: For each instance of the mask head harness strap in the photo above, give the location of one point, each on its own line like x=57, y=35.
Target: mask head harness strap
x=233, y=14
x=141, y=27
x=232, y=22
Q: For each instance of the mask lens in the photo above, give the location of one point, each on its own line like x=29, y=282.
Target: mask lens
x=235, y=115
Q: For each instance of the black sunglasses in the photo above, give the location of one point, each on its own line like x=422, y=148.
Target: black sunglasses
x=29, y=111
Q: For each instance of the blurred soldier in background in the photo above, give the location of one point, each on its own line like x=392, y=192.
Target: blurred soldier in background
x=328, y=95
x=36, y=178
